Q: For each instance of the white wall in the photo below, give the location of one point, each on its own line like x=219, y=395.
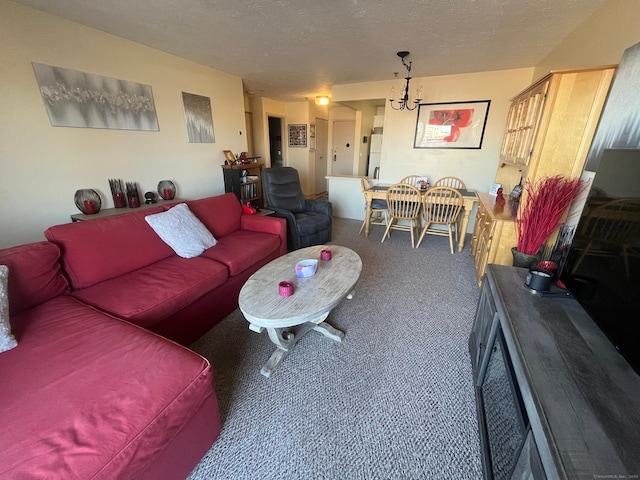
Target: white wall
x=601, y=40
x=42, y=166
x=476, y=167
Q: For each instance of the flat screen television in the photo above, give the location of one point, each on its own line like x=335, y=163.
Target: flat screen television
x=605, y=278
x=602, y=270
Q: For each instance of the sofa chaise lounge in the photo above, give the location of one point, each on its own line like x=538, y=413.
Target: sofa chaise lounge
x=90, y=391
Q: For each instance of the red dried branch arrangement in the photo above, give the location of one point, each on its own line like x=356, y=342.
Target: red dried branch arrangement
x=541, y=209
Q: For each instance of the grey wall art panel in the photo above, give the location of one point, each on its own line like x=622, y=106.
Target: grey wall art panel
x=79, y=99
x=197, y=114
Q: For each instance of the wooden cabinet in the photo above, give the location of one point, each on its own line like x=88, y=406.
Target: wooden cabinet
x=522, y=124
x=549, y=129
x=550, y=125
x=494, y=234
x=245, y=181
x=567, y=405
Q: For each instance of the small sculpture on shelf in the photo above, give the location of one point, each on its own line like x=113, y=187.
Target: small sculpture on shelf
x=150, y=198
x=133, y=197
x=117, y=192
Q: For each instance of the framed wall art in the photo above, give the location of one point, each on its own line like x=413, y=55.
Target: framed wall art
x=451, y=125
x=312, y=136
x=86, y=100
x=198, y=118
x=297, y=134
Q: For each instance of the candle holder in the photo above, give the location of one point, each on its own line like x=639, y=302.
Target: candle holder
x=133, y=197
x=88, y=201
x=325, y=255
x=117, y=192
x=166, y=190
x=285, y=289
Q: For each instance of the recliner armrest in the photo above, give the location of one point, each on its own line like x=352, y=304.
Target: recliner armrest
x=319, y=206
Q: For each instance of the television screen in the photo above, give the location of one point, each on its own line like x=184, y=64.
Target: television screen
x=603, y=266
x=603, y=263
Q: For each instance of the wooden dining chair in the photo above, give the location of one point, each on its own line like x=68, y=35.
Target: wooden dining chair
x=453, y=182
x=441, y=207
x=379, y=210
x=404, y=202
x=412, y=180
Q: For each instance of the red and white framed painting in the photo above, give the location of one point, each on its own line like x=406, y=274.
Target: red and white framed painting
x=451, y=125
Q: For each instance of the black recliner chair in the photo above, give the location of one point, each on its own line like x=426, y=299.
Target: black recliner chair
x=309, y=222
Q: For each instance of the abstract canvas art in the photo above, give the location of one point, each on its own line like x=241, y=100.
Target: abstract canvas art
x=78, y=99
x=198, y=118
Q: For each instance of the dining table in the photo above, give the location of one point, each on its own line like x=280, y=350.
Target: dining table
x=379, y=191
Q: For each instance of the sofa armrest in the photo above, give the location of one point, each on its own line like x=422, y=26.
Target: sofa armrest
x=319, y=206
x=266, y=224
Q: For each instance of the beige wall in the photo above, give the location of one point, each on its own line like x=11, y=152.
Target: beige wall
x=476, y=167
x=601, y=40
x=42, y=166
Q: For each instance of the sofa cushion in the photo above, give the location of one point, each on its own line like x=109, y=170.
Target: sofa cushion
x=182, y=231
x=243, y=249
x=104, y=248
x=149, y=295
x=220, y=214
x=85, y=395
x=7, y=340
x=35, y=274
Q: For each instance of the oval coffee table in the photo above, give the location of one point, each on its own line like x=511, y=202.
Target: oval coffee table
x=287, y=319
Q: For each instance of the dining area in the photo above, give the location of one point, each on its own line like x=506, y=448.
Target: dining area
x=413, y=205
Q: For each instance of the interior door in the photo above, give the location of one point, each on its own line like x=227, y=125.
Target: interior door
x=344, y=133
x=275, y=141
x=322, y=134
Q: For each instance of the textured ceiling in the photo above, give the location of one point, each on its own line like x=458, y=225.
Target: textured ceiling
x=289, y=50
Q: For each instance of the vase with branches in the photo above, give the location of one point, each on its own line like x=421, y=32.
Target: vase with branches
x=542, y=210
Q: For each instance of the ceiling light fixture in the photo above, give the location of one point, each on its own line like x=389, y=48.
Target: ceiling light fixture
x=403, y=102
x=322, y=100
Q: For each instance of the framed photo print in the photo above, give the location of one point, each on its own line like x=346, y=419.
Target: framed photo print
x=230, y=158
x=312, y=136
x=451, y=125
x=297, y=134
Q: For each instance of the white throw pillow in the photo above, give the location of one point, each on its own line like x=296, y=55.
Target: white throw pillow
x=7, y=340
x=182, y=231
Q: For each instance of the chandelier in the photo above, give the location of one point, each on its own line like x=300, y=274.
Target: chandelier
x=403, y=102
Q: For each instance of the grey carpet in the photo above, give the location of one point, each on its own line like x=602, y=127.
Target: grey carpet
x=394, y=400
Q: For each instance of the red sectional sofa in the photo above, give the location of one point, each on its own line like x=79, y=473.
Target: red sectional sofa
x=90, y=391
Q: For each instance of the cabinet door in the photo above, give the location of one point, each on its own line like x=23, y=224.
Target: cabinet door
x=482, y=255
x=522, y=125
x=486, y=314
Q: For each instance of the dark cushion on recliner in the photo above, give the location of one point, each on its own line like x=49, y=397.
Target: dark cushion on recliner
x=282, y=189
x=308, y=223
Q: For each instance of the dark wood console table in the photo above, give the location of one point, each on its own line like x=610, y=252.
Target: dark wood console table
x=579, y=399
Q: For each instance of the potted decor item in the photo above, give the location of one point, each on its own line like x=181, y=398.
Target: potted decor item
x=541, y=210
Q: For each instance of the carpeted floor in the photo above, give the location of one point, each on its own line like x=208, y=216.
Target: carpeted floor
x=394, y=400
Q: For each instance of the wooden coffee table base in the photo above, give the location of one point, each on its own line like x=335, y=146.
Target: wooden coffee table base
x=286, y=338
